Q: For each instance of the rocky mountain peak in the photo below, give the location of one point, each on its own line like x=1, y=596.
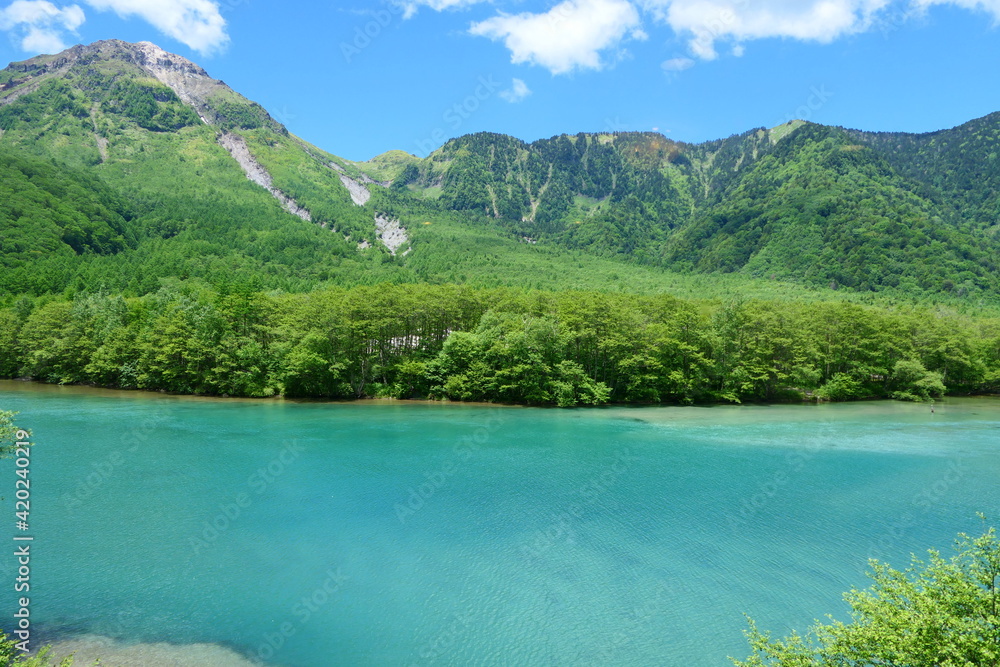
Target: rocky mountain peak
x=214, y=101
x=154, y=59
x=190, y=81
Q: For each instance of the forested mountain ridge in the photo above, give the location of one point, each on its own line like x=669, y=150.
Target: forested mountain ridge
x=959, y=165
x=160, y=231
x=800, y=202
x=125, y=165
x=214, y=185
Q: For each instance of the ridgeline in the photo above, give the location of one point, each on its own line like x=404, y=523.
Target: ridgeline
x=161, y=231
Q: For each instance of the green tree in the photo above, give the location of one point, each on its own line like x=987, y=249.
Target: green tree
x=513, y=358
x=939, y=613
x=7, y=432
x=10, y=656
x=915, y=382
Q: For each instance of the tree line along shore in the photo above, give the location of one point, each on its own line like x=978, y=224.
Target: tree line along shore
x=503, y=345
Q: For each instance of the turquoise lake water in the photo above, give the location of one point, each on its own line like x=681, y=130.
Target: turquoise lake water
x=387, y=533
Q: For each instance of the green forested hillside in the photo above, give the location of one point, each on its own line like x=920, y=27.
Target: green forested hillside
x=97, y=115
x=598, y=193
x=156, y=146
x=53, y=211
x=158, y=230
x=802, y=202
x=959, y=167
x=821, y=209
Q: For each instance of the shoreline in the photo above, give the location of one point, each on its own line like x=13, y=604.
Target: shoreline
x=88, y=648
x=29, y=385
x=39, y=386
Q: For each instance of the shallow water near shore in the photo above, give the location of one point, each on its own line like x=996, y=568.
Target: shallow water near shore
x=208, y=532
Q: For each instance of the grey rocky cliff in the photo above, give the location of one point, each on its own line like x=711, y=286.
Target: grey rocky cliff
x=237, y=147
x=391, y=233
x=359, y=193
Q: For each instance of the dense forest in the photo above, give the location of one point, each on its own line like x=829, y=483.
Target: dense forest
x=160, y=231
x=814, y=204
x=517, y=346
x=131, y=181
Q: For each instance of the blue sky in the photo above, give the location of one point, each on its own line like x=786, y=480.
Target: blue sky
x=360, y=78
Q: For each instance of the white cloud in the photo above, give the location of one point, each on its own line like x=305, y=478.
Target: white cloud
x=39, y=25
x=196, y=23
x=517, y=92
x=676, y=64
x=410, y=7
x=570, y=35
x=577, y=33
x=706, y=22
x=988, y=6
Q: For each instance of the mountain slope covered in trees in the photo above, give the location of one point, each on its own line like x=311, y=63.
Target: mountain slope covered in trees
x=802, y=202
x=161, y=231
x=125, y=165
x=214, y=187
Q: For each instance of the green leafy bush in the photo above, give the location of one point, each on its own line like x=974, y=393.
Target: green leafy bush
x=938, y=613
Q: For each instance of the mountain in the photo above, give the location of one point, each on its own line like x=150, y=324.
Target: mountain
x=958, y=166
x=799, y=202
x=212, y=182
x=125, y=166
